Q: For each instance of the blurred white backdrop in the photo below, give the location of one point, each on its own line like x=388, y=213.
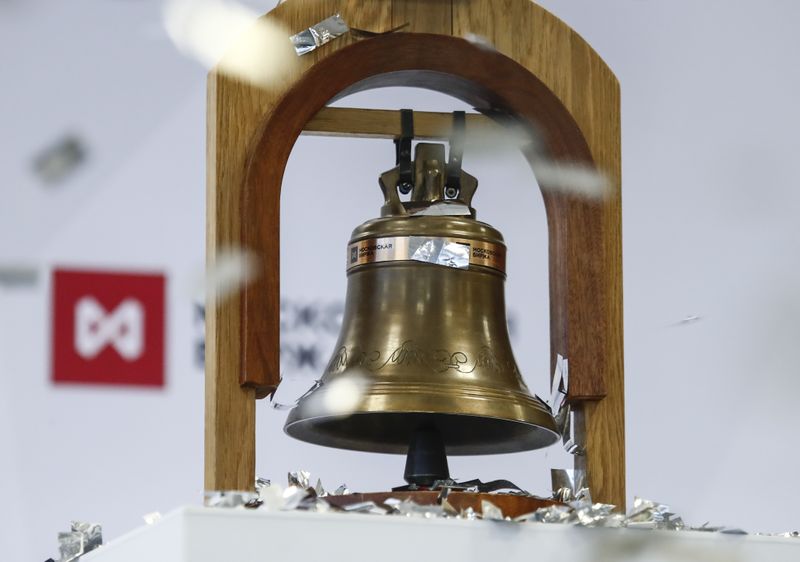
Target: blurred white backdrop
x=711, y=192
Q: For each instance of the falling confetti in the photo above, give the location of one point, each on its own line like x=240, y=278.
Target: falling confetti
x=338, y=397
x=572, y=178
x=480, y=41
x=228, y=273
x=227, y=34
x=152, y=518
x=18, y=275
x=344, y=395
x=506, y=134
x=58, y=161
x=499, y=138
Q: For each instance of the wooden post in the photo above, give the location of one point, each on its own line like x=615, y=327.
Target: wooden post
x=542, y=74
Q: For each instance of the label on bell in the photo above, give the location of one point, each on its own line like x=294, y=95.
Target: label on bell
x=449, y=252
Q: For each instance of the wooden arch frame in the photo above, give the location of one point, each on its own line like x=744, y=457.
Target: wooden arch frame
x=252, y=132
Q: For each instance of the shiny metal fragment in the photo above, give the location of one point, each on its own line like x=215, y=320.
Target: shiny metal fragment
x=409, y=508
x=491, y=511
x=469, y=513
x=151, y=518
x=366, y=507
x=271, y=498
x=569, y=485
x=293, y=496
x=229, y=498
x=569, y=418
x=552, y=514
x=574, y=430
x=577, y=508
x=587, y=514
x=300, y=479
x=646, y=514
x=70, y=546
x=319, y=34
x=448, y=509
x=439, y=251
x=475, y=485
x=81, y=538
x=559, y=387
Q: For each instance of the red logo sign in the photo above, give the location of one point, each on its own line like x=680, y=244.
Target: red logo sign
x=108, y=328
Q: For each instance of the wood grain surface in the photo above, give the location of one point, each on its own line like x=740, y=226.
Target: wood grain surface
x=541, y=73
x=385, y=124
x=424, y=16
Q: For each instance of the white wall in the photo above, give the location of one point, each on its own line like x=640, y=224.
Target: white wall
x=710, y=192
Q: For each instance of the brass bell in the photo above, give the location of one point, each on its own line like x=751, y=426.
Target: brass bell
x=424, y=341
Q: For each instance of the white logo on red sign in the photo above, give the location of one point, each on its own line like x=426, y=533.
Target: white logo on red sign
x=108, y=327
x=121, y=328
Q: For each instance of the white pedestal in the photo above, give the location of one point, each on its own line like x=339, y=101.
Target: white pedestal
x=198, y=534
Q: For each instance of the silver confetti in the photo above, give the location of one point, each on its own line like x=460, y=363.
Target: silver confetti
x=152, y=518
x=577, y=508
x=229, y=498
x=552, y=514
x=569, y=485
x=300, y=479
x=587, y=514
x=366, y=507
x=491, y=511
x=82, y=538
x=440, y=251
x=409, y=508
x=319, y=34
x=321, y=506
x=293, y=496
x=480, y=41
x=70, y=546
x=647, y=514
x=469, y=513
x=231, y=37
x=568, y=420
x=270, y=498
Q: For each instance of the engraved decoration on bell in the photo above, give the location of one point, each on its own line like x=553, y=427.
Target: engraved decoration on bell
x=409, y=353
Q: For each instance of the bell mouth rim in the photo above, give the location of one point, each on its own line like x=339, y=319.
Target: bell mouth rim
x=322, y=430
